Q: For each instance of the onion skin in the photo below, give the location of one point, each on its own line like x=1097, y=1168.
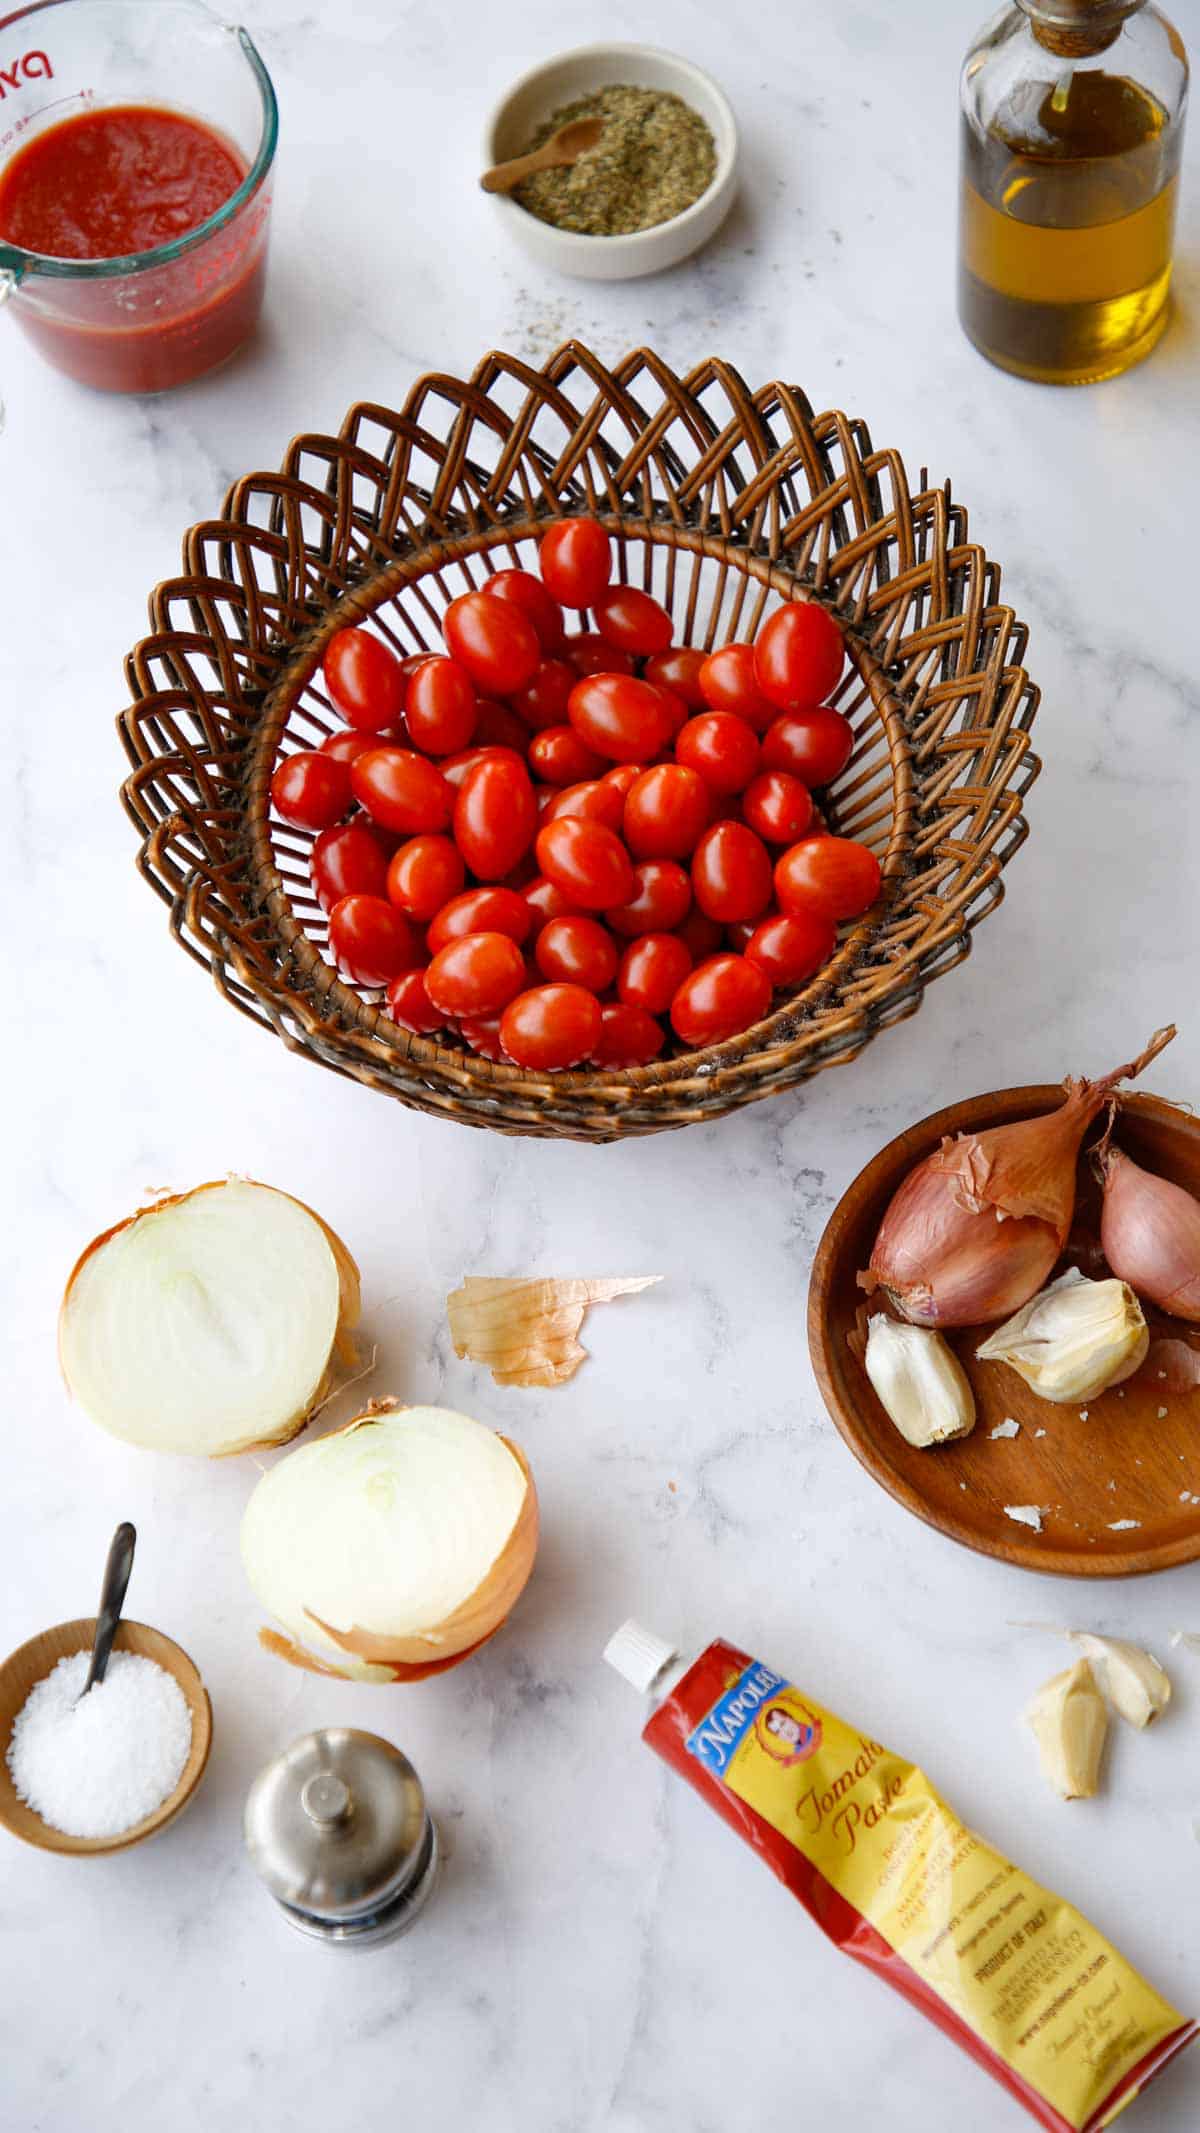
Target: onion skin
x=1150, y=1234
x=975, y=1229
x=349, y=1302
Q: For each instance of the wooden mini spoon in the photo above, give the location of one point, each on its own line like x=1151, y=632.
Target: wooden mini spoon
x=563, y=148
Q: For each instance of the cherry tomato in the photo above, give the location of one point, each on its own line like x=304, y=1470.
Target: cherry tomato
x=527, y=592
x=678, y=669
x=701, y=936
x=498, y=727
x=835, y=876
x=310, y=790
x=731, y=873
x=723, y=748
x=628, y=1036
x=790, y=946
x=493, y=640
x=482, y=1033
x=719, y=999
x=550, y=1026
x=440, y=707
x=727, y=684
x=589, y=653
x=652, y=970
x=346, y=746
x=454, y=768
x=559, y=755
x=495, y=816
x=401, y=790
x=543, y=700
x=667, y=811
x=347, y=861
x=588, y=862
x=597, y=799
x=577, y=951
x=632, y=621
x=778, y=806
x=799, y=654
x=365, y=680
x=494, y=910
x=476, y=975
x=409, y=1004
x=625, y=720
x=814, y=745
x=621, y=777
x=424, y=874
x=370, y=940
x=546, y=901
x=575, y=559
x=662, y=895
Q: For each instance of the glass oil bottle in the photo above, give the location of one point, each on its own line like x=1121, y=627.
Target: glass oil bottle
x=1072, y=124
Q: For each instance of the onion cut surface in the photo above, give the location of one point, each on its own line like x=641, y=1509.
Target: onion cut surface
x=393, y=1547
x=209, y=1322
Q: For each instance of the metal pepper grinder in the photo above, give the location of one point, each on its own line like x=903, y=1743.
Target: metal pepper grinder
x=338, y=1829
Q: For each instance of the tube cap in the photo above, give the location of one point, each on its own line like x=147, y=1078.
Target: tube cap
x=638, y=1655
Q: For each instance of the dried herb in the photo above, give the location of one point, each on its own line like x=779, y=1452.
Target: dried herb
x=655, y=157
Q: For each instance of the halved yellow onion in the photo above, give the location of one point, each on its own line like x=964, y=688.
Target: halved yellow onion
x=211, y=1321
x=394, y=1547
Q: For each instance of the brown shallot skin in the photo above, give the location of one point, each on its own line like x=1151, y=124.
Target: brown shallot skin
x=1150, y=1234
x=976, y=1228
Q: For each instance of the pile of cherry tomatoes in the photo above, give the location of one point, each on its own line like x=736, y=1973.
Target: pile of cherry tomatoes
x=556, y=844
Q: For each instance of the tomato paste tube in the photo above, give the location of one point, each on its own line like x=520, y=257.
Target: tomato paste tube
x=891, y=1875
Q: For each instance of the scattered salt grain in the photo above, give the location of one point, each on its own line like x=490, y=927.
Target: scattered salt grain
x=94, y=1765
x=1025, y=1514
x=1124, y=1525
x=1007, y=1428
x=1039, y=1433
x=1162, y=1414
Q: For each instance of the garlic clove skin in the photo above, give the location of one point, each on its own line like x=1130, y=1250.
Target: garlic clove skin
x=1131, y=1679
x=1074, y=1340
x=920, y=1382
x=1069, y=1721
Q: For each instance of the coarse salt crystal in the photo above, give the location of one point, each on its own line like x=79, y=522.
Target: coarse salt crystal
x=1039, y=1433
x=1007, y=1428
x=1124, y=1525
x=94, y=1765
x=1162, y=1414
x=1083, y=1414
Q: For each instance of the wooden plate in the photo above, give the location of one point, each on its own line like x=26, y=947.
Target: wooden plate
x=1135, y=1458
x=31, y=1662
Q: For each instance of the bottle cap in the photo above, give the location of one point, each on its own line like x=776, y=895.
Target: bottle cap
x=638, y=1655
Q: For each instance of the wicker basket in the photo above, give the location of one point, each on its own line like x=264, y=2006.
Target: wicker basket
x=722, y=502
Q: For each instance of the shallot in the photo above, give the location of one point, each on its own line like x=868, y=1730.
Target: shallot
x=975, y=1228
x=1150, y=1232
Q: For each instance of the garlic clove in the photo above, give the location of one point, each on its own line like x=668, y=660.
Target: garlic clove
x=1069, y=1721
x=1136, y=1686
x=1074, y=1340
x=920, y=1382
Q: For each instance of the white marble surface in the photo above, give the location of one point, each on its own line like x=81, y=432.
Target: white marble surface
x=603, y=1955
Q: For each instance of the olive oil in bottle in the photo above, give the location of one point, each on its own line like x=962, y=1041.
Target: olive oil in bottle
x=1072, y=122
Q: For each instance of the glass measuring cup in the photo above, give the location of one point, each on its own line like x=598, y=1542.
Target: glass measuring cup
x=146, y=320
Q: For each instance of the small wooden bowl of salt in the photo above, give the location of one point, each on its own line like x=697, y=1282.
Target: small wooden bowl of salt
x=156, y=1738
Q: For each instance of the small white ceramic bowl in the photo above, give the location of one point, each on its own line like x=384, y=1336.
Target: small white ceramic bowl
x=544, y=90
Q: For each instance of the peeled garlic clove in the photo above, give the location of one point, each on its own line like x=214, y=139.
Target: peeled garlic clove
x=1074, y=1340
x=920, y=1382
x=1069, y=1721
x=1134, y=1683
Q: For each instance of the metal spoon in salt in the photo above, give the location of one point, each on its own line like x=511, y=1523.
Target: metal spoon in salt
x=112, y=1599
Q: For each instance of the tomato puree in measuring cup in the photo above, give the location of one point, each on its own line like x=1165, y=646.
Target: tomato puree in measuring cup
x=122, y=180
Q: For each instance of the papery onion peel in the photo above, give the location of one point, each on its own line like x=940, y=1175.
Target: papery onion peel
x=526, y=1330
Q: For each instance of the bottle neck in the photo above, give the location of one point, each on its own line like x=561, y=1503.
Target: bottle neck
x=1077, y=29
